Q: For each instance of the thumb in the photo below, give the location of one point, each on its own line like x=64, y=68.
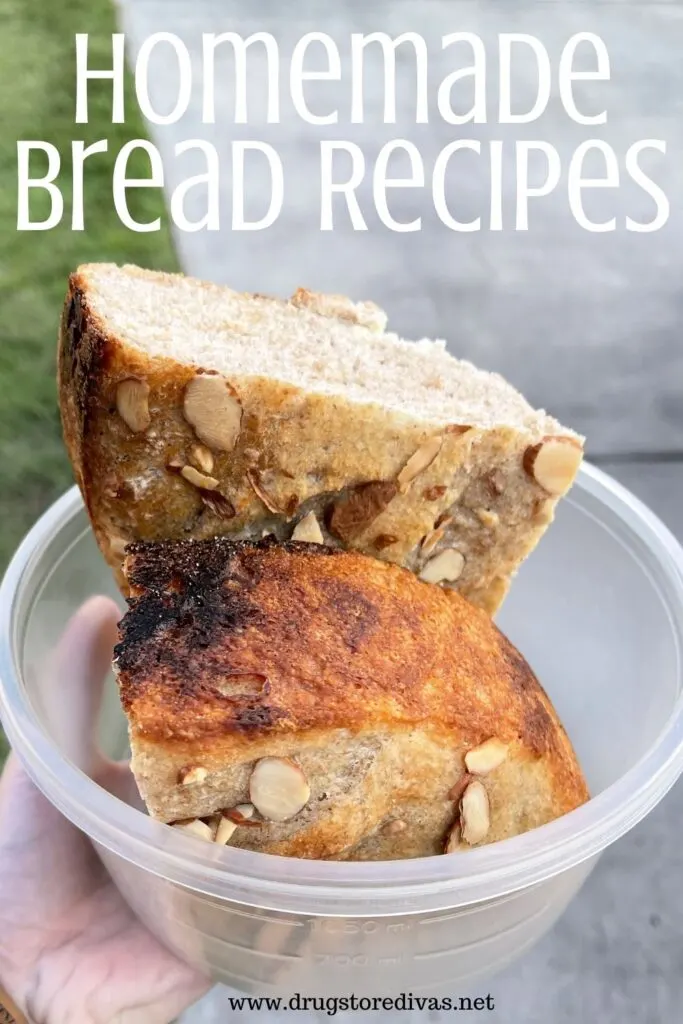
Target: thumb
x=71, y=681
x=70, y=684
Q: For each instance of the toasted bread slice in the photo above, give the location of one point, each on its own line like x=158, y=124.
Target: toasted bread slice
x=375, y=699
x=190, y=410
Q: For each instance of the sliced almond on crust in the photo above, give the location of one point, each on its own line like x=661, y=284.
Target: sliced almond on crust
x=132, y=404
x=196, y=828
x=213, y=410
x=259, y=490
x=554, y=463
x=474, y=813
x=192, y=775
x=238, y=685
x=486, y=757
x=203, y=458
x=418, y=462
x=197, y=479
x=278, y=788
x=308, y=529
x=352, y=514
x=446, y=567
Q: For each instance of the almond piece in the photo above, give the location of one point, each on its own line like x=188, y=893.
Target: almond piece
x=352, y=514
x=196, y=828
x=213, y=410
x=217, y=503
x=494, y=480
x=213, y=823
x=418, y=462
x=197, y=479
x=132, y=404
x=255, y=480
x=192, y=775
x=238, y=685
x=202, y=458
x=434, y=493
x=278, y=788
x=227, y=825
x=474, y=813
x=384, y=540
x=225, y=831
x=488, y=518
x=242, y=815
x=446, y=567
x=430, y=541
x=486, y=757
x=246, y=810
x=394, y=828
x=457, y=789
x=454, y=839
x=308, y=529
x=554, y=463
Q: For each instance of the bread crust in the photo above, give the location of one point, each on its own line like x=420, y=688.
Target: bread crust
x=304, y=451
x=375, y=683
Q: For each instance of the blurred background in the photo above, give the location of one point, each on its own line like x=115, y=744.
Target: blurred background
x=586, y=325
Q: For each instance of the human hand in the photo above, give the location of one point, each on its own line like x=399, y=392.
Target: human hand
x=71, y=950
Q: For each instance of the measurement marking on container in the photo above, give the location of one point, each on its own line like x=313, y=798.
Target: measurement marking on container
x=334, y=926
x=340, y=960
x=393, y=929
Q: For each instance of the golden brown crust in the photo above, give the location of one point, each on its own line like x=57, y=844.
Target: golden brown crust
x=342, y=640
x=308, y=451
x=231, y=652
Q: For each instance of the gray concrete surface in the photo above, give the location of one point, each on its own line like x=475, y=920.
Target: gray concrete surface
x=587, y=325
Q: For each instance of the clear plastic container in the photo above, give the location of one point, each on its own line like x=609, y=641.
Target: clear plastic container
x=598, y=612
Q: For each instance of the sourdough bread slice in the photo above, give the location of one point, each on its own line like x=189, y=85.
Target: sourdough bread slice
x=190, y=410
x=335, y=702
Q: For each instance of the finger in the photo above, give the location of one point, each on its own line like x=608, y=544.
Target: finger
x=117, y=778
x=20, y=802
x=73, y=681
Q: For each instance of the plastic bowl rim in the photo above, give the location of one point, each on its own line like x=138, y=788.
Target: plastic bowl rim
x=330, y=887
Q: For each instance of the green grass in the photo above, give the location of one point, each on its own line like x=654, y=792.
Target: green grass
x=37, y=101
